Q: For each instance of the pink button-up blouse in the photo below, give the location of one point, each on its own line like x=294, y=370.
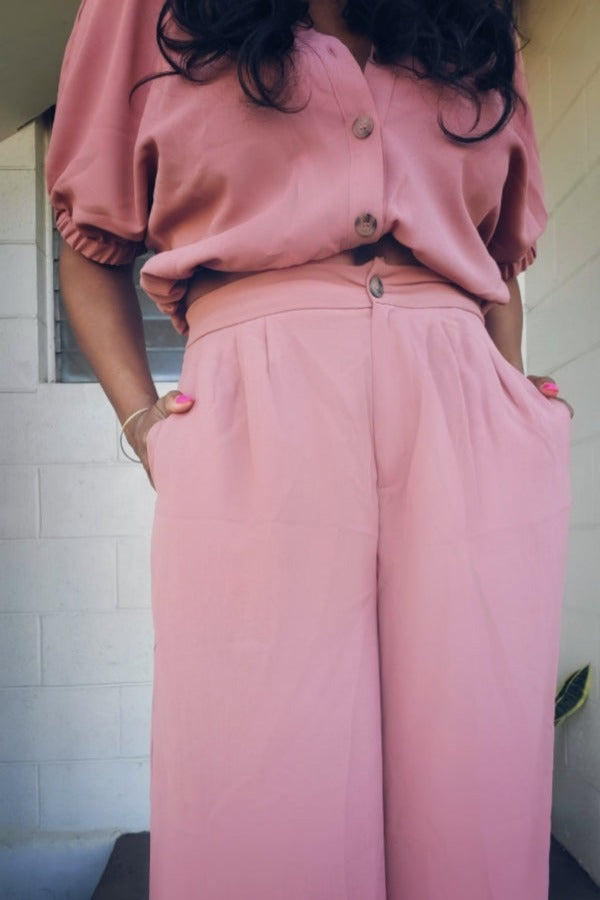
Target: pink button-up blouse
x=201, y=176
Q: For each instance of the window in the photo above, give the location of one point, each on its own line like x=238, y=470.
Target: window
x=164, y=344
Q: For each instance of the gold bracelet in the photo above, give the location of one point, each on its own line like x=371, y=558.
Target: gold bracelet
x=138, y=412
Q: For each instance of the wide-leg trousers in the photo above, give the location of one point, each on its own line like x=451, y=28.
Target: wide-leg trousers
x=358, y=564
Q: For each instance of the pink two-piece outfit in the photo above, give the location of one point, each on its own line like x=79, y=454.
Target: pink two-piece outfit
x=361, y=526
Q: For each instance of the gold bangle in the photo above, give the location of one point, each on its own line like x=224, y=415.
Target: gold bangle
x=138, y=412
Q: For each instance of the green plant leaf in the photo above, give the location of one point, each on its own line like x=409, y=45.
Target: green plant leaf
x=572, y=694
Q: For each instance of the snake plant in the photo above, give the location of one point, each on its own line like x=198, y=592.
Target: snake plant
x=572, y=694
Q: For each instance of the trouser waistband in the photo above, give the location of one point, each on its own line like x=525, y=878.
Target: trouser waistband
x=326, y=285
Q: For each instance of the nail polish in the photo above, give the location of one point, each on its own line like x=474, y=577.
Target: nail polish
x=183, y=398
x=551, y=387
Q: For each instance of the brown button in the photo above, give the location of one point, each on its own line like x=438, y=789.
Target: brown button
x=363, y=126
x=365, y=225
x=376, y=286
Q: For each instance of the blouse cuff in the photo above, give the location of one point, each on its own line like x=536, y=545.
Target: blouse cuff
x=95, y=244
x=512, y=269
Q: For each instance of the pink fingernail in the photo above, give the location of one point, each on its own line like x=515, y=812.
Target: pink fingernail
x=183, y=398
x=550, y=386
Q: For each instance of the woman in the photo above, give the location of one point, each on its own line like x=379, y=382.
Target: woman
x=360, y=534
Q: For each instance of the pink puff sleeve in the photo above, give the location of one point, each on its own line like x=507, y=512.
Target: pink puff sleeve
x=98, y=174
x=523, y=215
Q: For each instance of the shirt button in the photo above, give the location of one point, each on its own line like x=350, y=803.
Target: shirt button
x=363, y=126
x=376, y=286
x=365, y=225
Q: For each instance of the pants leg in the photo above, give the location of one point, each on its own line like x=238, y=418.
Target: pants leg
x=474, y=498
x=266, y=749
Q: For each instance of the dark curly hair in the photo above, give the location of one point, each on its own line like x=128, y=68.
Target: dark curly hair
x=467, y=44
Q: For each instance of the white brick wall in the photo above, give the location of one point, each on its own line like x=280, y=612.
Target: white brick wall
x=563, y=339
x=57, y=724
x=19, y=650
x=90, y=500
x=19, y=285
x=19, y=803
x=75, y=622
x=17, y=201
x=109, y=793
x=133, y=572
x=18, y=363
x=97, y=648
x=19, y=513
x=58, y=424
x=57, y=575
x=136, y=703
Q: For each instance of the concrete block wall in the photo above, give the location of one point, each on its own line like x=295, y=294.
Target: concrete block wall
x=75, y=623
x=563, y=339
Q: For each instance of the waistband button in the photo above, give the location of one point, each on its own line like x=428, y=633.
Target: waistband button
x=376, y=286
x=365, y=225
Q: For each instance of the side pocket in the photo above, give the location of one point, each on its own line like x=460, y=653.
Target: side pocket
x=151, y=438
x=524, y=391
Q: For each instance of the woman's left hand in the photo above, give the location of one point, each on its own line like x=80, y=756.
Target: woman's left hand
x=548, y=387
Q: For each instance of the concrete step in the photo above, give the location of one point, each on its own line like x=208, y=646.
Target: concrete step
x=126, y=874
x=568, y=881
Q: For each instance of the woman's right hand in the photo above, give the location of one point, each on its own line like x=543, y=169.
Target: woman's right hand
x=136, y=432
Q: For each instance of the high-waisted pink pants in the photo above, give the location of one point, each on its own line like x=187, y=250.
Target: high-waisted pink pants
x=358, y=564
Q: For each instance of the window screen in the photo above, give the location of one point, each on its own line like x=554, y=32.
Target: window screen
x=164, y=344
